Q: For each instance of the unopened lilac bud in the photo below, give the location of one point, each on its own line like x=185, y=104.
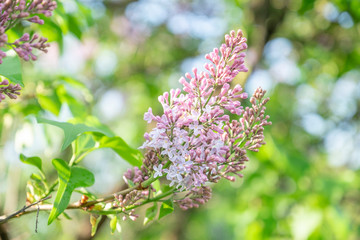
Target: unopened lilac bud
x=36, y=19
x=23, y=15
x=24, y=38
x=4, y=82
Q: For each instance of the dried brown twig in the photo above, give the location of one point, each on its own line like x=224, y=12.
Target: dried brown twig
x=5, y=218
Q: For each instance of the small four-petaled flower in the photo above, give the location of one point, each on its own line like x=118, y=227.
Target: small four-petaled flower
x=158, y=171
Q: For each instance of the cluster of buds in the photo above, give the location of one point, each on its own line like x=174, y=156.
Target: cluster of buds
x=24, y=46
x=195, y=198
x=132, y=198
x=194, y=142
x=10, y=90
x=14, y=11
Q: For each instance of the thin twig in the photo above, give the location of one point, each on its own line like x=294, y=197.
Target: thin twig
x=21, y=211
x=76, y=205
x=37, y=218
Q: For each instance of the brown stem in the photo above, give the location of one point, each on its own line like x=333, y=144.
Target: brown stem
x=22, y=211
x=85, y=232
x=77, y=205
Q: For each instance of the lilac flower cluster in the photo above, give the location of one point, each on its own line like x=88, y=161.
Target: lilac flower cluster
x=193, y=137
x=11, y=12
x=194, y=141
x=11, y=90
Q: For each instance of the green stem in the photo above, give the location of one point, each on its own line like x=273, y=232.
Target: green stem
x=207, y=101
x=51, y=189
x=117, y=211
x=81, y=157
x=242, y=143
x=142, y=185
x=76, y=159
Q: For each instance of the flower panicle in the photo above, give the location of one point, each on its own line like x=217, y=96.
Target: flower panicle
x=12, y=12
x=194, y=142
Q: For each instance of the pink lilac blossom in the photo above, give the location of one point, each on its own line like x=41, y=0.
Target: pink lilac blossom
x=11, y=12
x=191, y=132
x=194, y=141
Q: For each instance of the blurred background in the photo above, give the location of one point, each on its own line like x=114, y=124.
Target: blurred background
x=108, y=62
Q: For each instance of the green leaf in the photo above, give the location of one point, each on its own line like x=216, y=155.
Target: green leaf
x=11, y=69
x=35, y=161
x=131, y=155
x=67, y=216
x=130, y=183
x=39, y=184
x=77, y=108
x=35, y=188
x=113, y=223
x=157, y=186
x=69, y=179
x=74, y=26
x=36, y=177
x=71, y=131
x=166, y=208
x=94, y=221
x=50, y=102
x=83, y=143
x=52, y=31
x=165, y=188
x=150, y=214
x=74, y=83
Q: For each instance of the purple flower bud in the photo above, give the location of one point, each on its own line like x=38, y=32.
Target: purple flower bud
x=4, y=82
x=25, y=37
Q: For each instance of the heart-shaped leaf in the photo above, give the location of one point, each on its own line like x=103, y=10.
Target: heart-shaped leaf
x=69, y=179
x=71, y=131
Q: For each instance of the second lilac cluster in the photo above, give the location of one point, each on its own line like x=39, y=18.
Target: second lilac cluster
x=11, y=13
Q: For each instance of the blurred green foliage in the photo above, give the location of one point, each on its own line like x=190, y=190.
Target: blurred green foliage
x=304, y=184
